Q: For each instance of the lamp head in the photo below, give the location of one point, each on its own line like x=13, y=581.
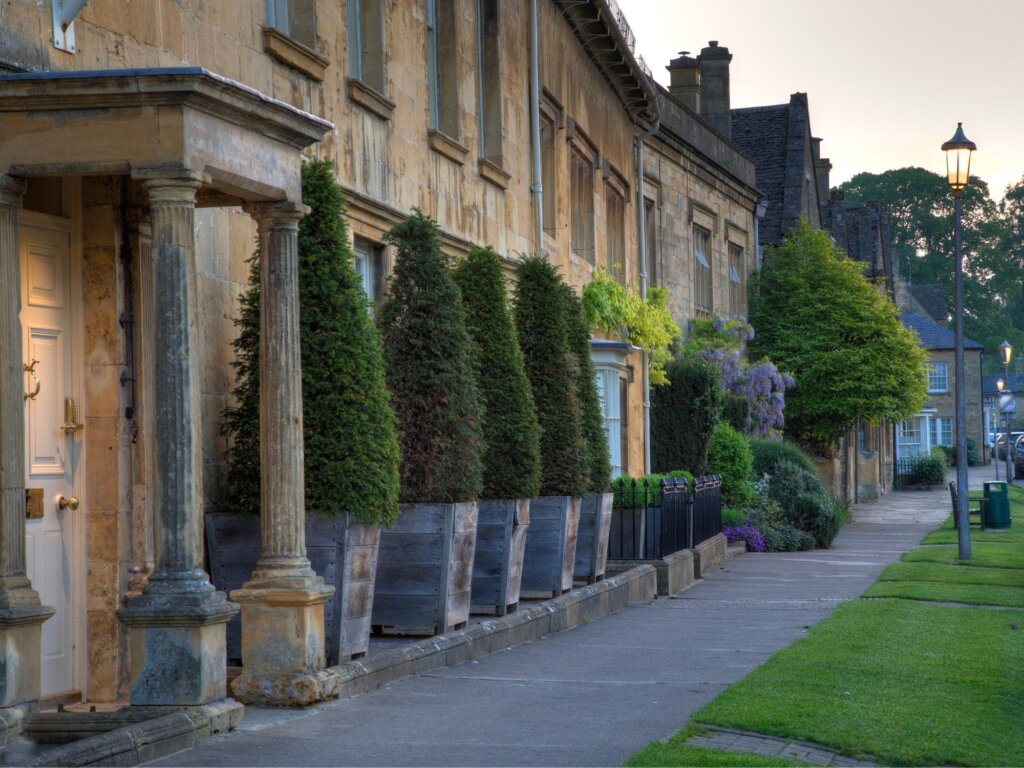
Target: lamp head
x=1005, y=352
x=958, y=159
x=1000, y=385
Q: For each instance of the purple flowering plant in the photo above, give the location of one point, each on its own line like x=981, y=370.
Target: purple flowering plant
x=723, y=343
x=748, y=532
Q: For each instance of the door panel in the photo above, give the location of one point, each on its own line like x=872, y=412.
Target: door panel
x=52, y=455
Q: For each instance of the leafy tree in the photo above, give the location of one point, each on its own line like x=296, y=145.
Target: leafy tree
x=351, y=452
x=542, y=324
x=919, y=206
x=511, y=433
x=644, y=323
x=819, y=317
x=428, y=359
x=684, y=414
x=598, y=463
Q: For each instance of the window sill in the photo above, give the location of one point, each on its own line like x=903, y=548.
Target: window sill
x=493, y=173
x=368, y=98
x=447, y=146
x=294, y=54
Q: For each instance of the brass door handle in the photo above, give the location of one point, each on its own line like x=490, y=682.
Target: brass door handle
x=30, y=369
x=71, y=423
x=67, y=502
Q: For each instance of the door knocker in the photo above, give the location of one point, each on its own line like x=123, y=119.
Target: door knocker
x=30, y=369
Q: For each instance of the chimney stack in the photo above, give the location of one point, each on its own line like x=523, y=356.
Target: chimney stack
x=822, y=167
x=685, y=80
x=714, y=87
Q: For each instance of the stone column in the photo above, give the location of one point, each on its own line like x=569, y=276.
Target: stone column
x=21, y=615
x=283, y=602
x=176, y=626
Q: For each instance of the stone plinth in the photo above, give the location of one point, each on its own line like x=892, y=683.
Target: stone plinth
x=20, y=633
x=177, y=659
x=283, y=646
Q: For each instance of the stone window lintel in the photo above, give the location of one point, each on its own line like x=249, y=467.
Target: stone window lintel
x=445, y=145
x=493, y=173
x=294, y=54
x=368, y=98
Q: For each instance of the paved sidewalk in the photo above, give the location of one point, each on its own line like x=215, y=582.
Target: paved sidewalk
x=596, y=694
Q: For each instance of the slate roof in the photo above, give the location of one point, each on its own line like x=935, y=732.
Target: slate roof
x=932, y=299
x=933, y=335
x=761, y=133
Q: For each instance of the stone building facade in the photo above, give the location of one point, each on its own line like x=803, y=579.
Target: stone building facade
x=147, y=148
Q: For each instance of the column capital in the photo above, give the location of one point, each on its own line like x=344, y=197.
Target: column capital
x=281, y=213
x=11, y=190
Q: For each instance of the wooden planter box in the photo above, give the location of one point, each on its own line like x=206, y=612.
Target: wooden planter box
x=340, y=550
x=498, y=563
x=425, y=572
x=550, y=547
x=592, y=538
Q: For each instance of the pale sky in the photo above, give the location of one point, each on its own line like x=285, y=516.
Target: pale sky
x=887, y=80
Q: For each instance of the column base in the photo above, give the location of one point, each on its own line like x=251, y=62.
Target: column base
x=283, y=646
x=177, y=647
x=20, y=652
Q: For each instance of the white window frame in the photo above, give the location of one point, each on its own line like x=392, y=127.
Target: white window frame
x=703, y=284
x=941, y=380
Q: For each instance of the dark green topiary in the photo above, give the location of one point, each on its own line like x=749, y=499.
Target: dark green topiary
x=550, y=366
x=768, y=453
x=684, y=414
x=511, y=433
x=428, y=359
x=729, y=456
x=351, y=452
x=598, y=462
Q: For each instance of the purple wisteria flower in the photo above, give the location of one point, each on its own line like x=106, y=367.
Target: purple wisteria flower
x=746, y=533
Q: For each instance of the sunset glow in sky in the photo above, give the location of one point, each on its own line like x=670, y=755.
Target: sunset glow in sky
x=887, y=80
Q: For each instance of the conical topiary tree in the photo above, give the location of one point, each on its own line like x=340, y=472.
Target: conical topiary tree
x=596, y=458
x=542, y=324
x=428, y=359
x=511, y=460
x=351, y=451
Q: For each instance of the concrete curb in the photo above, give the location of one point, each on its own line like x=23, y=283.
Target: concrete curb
x=530, y=622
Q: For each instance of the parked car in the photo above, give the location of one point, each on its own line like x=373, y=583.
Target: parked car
x=1017, y=457
x=999, y=449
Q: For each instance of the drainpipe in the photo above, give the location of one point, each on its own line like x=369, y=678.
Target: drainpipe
x=641, y=219
x=538, y=187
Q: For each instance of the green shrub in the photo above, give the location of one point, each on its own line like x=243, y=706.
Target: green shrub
x=684, y=414
x=541, y=323
x=733, y=516
x=735, y=411
x=786, y=538
x=816, y=514
x=973, y=454
x=595, y=438
x=930, y=470
x=623, y=486
x=789, y=481
x=729, y=456
x=350, y=448
x=942, y=453
x=511, y=433
x=428, y=357
x=768, y=453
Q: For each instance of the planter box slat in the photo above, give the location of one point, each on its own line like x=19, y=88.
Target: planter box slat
x=592, y=540
x=550, y=552
x=234, y=547
x=424, y=572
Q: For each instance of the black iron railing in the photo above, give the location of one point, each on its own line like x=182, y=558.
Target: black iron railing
x=651, y=521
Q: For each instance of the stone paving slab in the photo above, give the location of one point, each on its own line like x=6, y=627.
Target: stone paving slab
x=732, y=740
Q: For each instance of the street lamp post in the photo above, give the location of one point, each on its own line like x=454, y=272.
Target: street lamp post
x=958, y=174
x=999, y=412
x=1006, y=355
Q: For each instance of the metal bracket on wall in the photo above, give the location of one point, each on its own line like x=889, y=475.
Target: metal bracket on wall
x=64, y=13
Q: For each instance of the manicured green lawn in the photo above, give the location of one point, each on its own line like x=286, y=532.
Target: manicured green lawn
x=951, y=583
x=902, y=680
x=907, y=682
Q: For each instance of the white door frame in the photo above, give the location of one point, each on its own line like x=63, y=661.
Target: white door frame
x=73, y=227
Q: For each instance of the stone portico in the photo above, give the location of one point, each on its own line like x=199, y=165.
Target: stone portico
x=171, y=141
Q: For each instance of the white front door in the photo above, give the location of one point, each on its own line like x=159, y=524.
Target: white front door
x=53, y=442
